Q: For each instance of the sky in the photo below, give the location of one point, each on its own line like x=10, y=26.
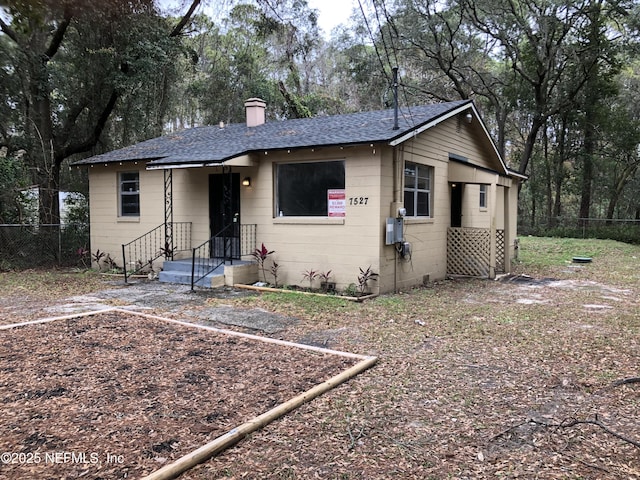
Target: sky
x=333, y=12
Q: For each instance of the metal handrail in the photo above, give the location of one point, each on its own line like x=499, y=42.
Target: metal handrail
x=201, y=264
x=152, y=245
x=228, y=244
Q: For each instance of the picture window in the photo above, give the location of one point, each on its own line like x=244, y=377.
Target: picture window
x=302, y=188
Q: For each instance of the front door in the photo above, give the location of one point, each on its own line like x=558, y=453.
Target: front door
x=456, y=204
x=224, y=215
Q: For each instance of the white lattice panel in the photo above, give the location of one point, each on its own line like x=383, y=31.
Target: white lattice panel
x=468, y=252
x=500, y=251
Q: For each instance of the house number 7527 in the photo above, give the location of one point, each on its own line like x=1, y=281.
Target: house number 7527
x=358, y=200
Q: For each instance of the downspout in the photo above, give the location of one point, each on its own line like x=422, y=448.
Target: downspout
x=506, y=193
x=395, y=187
x=397, y=179
x=397, y=203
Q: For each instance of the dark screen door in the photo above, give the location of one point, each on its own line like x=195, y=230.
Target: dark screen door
x=456, y=205
x=224, y=214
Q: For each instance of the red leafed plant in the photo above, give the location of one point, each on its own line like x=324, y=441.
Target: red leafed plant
x=261, y=254
x=311, y=276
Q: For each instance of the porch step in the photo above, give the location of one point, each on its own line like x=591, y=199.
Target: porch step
x=179, y=271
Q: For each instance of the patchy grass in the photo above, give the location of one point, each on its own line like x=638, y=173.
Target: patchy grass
x=468, y=372
x=26, y=294
x=50, y=284
x=467, y=368
x=613, y=261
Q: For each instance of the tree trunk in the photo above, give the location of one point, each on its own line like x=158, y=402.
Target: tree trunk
x=38, y=47
x=40, y=124
x=538, y=121
x=558, y=170
x=49, y=203
x=548, y=176
x=501, y=123
x=593, y=98
x=587, y=176
x=620, y=183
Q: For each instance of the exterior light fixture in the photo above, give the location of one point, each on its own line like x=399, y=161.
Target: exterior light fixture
x=468, y=117
x=246, y=181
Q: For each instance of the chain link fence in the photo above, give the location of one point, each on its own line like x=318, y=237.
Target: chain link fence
x=36, y=246
x=623, y=230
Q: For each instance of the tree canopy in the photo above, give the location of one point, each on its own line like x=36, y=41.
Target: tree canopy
x=557, y=82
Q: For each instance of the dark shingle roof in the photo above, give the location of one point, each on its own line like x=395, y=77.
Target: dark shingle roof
x=212, y=144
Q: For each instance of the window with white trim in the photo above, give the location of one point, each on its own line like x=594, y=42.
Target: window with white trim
x=483, y=196
x=302, y=188
x=418, y=185
x=129, y=191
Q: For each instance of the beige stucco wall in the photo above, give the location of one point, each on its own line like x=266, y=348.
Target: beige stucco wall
x=474, y=216
x=108, y=230
x=342, y=245
x=428, y=237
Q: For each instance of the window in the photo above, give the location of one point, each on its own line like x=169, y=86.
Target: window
x=129, y=194
x=302, y=188
x=417, y=189
x=483, y=196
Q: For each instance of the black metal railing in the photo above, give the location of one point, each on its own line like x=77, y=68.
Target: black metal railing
x=138, y=255
x=229, y=244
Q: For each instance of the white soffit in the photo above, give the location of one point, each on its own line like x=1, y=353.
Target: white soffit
x=172, y=166
x=239, y=161
x=453, y=113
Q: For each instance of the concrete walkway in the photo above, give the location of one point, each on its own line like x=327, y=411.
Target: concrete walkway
x=177, y=299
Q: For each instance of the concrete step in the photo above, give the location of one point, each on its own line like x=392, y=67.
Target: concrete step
x=184, y=265
x=179, y=271
x=184, y=278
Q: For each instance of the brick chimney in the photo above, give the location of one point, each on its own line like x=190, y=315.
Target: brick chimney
x=255, y=111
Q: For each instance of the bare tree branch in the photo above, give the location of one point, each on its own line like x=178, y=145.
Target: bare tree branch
x=568, y=423
x=71, y=118
x=626, y=381
x=185, y=19
x=89, y=142
x=58, y=35
x=8, y=31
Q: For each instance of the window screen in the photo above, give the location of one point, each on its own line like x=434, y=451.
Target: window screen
x=129, y=194
x=483, y=196
x=417, y=189
x=301, y=188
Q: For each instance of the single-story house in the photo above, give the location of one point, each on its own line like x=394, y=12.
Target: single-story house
x=414, y=194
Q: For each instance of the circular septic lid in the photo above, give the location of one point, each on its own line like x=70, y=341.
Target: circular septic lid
x=581, y=259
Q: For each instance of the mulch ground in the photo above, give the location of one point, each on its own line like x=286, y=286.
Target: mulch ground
x=116, y=395
x=475, y=379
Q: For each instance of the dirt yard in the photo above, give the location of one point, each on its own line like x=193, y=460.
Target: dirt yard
x=116, y=395
x=476, y=379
